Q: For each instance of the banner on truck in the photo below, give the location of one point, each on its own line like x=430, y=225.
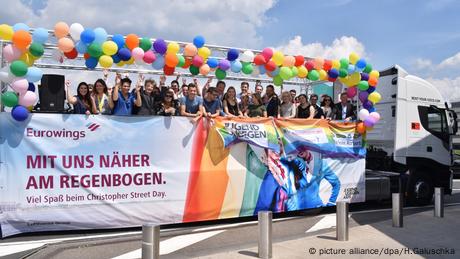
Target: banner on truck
x=68, y=172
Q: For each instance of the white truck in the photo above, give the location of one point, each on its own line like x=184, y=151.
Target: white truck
x=410, y=149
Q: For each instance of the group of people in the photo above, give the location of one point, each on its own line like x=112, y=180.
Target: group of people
x=148, y=98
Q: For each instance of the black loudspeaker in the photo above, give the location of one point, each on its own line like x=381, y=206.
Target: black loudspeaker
x=51, y=93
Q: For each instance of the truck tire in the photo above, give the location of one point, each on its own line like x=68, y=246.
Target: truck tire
x=420, y=188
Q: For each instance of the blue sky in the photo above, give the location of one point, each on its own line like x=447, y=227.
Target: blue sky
x=422, y=36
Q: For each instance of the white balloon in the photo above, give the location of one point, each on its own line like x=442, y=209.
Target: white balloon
x=75, y=31
x=6, y=76
x=363, y=114
x=247, y=56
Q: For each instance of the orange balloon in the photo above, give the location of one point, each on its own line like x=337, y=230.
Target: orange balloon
x=22, y=39
x=188, y=62
x=65, y=44
x=132, y=41
x=61, y=29
x=360, y=127
x=373, y=81
x=190, y=50
x=171, y=60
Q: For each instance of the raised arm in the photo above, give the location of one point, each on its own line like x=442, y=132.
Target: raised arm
x=138, y=101
x=109, y=97
x=117, y=87
x=71, y=99
x=312, y=112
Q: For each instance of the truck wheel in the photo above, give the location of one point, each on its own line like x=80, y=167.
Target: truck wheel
x=420, y=189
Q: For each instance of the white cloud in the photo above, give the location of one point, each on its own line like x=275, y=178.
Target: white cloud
x=421, y=63
x=449, y=87
x=220, y=22
x=339, y=48
x=450, y=62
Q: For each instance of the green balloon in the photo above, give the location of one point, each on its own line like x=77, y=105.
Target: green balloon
x=95, y=50
x=194, y=70
x=221, y=74
x=18, y=68
x=344, y=63
x=368, y=68
x=36, y=49
x=285, y=73
x=343, y=72
x=294, y=71
x=145, y=44
x=277, y=80
x=313, y=75
x=10, y=99
x=363, y=85
x=181, y=60
x=247, y=68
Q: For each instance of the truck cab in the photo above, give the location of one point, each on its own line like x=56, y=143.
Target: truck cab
x=414, y=137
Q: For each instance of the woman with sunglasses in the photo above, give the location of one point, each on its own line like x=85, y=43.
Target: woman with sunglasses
x=327, y=107
x=168, y=106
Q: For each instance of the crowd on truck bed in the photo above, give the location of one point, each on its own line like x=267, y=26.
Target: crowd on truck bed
x=150, y=98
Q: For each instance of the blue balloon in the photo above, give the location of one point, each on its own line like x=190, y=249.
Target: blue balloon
x=119, y=40
x=236, y=66
x=87, y=36
x=333, y=73
x=276, y=71
x=371, y=109
x=198, y=41
x=116, y=58
x=40, y=35
x=361, y=64
x=91, y=63
x=159, y=62
x=31, y=87
x=370, y=89
x=19, y=113
x=34, y=74
x=124, y=54
x=81, y=47
x=351, y=69
x=213, y=62
x=21, y=26
x=100, y=35
x=262, y=69
x=233, y=54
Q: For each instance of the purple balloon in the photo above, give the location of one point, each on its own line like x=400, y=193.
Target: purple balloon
x=370, y=89
x=333, y=73
x=369, y=122
x=367, y=105
x=124, y=54
x=224, y=64
x=364, y=77
x=160, y=46
x=363, y=96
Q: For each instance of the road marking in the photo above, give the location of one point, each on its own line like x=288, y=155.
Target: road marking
x=173, y=244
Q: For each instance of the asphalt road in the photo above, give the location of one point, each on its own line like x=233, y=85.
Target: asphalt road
x=193, y=241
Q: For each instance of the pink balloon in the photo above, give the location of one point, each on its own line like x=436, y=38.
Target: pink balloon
x=267, y=53
x=20, y=86
x=27, y=99
x=11, y=53
x=351, y=92
x=149, y=57
x=138, y=53
x=375, y=115
x=197, y=61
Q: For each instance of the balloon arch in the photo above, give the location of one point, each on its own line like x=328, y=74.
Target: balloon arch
x=97, y=47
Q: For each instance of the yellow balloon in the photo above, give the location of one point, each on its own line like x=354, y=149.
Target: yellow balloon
x=27, y=58
x=355, y=78
x=353, y=58
x=374, y=73
x=322, y=75
x=345, y=80
x=374, y=97
x=30, y=108
x=130, y=61
x=335, y=64
x=173, y=47
x=105, y=61
x=121, y=63
x=6, y=32
x=204, y=52
x=278, y=58
x=109, y=48
x=302, y=71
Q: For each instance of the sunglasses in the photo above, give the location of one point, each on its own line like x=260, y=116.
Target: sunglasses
x=169, y=96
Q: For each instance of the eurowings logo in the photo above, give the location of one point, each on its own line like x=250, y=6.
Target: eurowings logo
x=92, y=126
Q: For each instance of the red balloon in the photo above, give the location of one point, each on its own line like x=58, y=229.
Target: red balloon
x=310, y=65
x=259, y=60
x=71, y=54
x=270, y=66
x=299, y=60
x=330, y=79
x=327, y=65
x=86, y=56
x=168, y=70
